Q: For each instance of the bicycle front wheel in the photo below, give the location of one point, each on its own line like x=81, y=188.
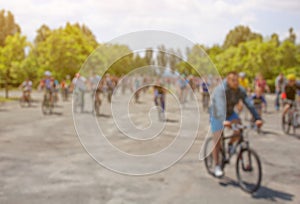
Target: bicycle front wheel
x=286, y=123
x=248, y=170
x=208, y=157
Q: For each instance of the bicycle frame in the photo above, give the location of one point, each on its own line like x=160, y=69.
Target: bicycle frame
x=240, y=145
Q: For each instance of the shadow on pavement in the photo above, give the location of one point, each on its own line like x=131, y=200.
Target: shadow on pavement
x=295, y=136
x=271, y=194
x=269, y=132
x=103, y=115
x=262, y=193
x=171, y=121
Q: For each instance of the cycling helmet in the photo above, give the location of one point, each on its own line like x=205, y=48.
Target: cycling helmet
x=47, y=73
x=242, y=74
x=291, y=77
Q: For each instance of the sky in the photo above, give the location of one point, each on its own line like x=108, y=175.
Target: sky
x=201, y=21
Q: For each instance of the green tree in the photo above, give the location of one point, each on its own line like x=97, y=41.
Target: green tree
x=8, y=26
x=238, y=35
x=12, y=55
x=62, y=50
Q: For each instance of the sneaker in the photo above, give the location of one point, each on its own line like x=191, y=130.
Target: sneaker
x=218, y=171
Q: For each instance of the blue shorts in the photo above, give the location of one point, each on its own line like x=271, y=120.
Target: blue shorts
x=217, y=125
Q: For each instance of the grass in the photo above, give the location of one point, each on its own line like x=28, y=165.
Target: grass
x=3, y=99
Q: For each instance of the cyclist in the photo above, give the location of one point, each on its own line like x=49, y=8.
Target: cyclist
x=183, y=83
x=110, y=85
x=280, y=83
x=159, y=97
x=26, y=88
x=94, y=82
x=47, y=84
x=260, y=82
x=258, y=101
x=289, y=95
x=55, y=88
x=65, y=85
x=243, y=81
x=79, y=87
x=225, y=97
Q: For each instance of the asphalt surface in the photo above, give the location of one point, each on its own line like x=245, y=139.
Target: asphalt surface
x=43, y=161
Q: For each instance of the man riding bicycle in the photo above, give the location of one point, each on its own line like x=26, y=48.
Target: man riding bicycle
x=47, y=84
x=289, y=95
x=225, y=97
x=26, y=88
x=159, y=97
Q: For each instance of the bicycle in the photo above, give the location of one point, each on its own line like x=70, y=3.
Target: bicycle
x=247, y=164
x=292, y=118
x=160, y=102
x=47, y=104
x=25, y=98
x=97, y=102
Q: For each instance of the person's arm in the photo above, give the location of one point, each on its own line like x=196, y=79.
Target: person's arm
x=250, y=106
x=263, y=100
x=218, y=107
x=21, y=85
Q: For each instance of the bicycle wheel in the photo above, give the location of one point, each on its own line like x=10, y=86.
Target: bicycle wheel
x=22, y=102
x=45, y=107
x=97, y=107
x=286, y=123
x=296, y=119
x=208, y=157
x=248, y=170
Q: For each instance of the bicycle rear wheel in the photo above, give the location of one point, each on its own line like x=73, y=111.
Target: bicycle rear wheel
x=208, y=157
x=47, y=106
x=248, y=170
x=22, y=102
x=286, y=123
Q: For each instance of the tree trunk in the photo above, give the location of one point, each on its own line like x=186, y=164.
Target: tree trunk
x=7, y=84
x=6, y=89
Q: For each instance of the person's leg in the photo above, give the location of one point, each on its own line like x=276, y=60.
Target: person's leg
x=285, y=109
x=217, y=129
x=82, y=101
x=155, y=100
x=234, y=119
x=162, y=102
x=277, y=100
x=266, y=105
x=216, y=149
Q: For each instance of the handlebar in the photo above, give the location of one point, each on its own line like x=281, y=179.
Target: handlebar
x=238, y=127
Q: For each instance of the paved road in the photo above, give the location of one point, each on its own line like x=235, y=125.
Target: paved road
x=42, y=161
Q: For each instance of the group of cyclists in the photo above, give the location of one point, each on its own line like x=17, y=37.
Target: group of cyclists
x=286, y=89
x=229, y=97
x=224, y=99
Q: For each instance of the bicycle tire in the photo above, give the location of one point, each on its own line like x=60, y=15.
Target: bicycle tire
x=286, y=124
x=22, y=102
x=254, y=159
x=208, y=158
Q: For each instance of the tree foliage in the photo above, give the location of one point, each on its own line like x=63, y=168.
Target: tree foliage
x=64, y=50
x=8, y=26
